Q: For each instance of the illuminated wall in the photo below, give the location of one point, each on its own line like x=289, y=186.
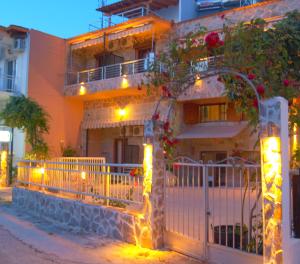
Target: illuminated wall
x=272, y=199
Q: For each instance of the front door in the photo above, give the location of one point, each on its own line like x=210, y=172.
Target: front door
x=125, y=153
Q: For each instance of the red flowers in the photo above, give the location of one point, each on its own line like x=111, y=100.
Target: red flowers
x=251, y=76
x=286, y=82
x=155, y=117
x=212, y=40
x=222, y=16
x=133, y=172
x=255, y=103
x=260, y=89
x=166, y=74
x=166, y=126
x=220, y=79
x=166, y=91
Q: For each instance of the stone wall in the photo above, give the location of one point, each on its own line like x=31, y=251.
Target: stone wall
x=78, y=216
x=269, y=9
x=105, y=112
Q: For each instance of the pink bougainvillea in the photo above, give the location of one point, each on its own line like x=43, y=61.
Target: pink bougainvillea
x=260, y=89
x=212, y=40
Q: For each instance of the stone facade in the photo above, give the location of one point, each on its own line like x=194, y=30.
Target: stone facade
x=78, y=216
x=269, y=9
x=104, y=113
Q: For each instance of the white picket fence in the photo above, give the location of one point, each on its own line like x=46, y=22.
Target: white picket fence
x=84, y=178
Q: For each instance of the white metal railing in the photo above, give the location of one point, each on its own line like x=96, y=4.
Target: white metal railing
x=8, y=83
x=85, y=179
x=132, y=13
x=121, y=17
x=109, y=71
x=216, y=204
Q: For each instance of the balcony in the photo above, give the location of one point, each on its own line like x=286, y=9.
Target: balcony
x=8, y=84
x=110, y=77
x=116, y=12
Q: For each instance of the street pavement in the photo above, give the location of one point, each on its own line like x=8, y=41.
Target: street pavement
x=25, y=239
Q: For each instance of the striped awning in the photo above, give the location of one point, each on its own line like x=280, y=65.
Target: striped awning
x=87, y=43
x=130, y=32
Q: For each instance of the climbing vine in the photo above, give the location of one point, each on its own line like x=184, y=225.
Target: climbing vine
x=267, y=53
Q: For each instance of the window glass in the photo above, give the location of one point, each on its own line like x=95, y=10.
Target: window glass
x=211, y=113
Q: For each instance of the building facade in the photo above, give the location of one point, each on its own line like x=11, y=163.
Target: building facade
x=106, y=67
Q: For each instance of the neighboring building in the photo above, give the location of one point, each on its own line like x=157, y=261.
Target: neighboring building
x=14, y=57
x=32, y=63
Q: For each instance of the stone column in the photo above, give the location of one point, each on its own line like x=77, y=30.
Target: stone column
x=157, y=197
x=153, y=220
x=275, y=177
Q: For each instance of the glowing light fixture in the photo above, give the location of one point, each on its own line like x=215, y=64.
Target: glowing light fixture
x=122, y=113
x=82, y=89
x=42, y=170
x=83, y=175
x=148, y=159
x=125, y=82
x=275, y=175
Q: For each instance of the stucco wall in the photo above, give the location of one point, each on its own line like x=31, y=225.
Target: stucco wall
x=45, y=85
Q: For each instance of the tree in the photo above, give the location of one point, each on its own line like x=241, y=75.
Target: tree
x=27, y=115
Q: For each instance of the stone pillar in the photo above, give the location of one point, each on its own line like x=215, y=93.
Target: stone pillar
x=152, y=221
x=275, y=173
x=157, y=196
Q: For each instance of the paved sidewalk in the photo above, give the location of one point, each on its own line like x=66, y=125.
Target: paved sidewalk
x=27, y=240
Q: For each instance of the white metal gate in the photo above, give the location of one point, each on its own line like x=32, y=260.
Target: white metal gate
x=213, y=211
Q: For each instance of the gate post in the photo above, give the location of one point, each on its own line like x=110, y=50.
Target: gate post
x=275, y=177
x=152, y=235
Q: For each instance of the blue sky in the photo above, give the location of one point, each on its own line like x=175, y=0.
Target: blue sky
x=63, y=18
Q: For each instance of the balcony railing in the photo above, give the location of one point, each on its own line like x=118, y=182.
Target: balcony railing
x=124, y=16
x=107, y=72
x=8, y=83
x=89, y=179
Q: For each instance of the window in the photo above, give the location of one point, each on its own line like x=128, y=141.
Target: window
x=10, y=75
x=212, y=113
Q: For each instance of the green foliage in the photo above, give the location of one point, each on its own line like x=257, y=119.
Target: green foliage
x=27, y=115
x=69, y=152
x=272, y=59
